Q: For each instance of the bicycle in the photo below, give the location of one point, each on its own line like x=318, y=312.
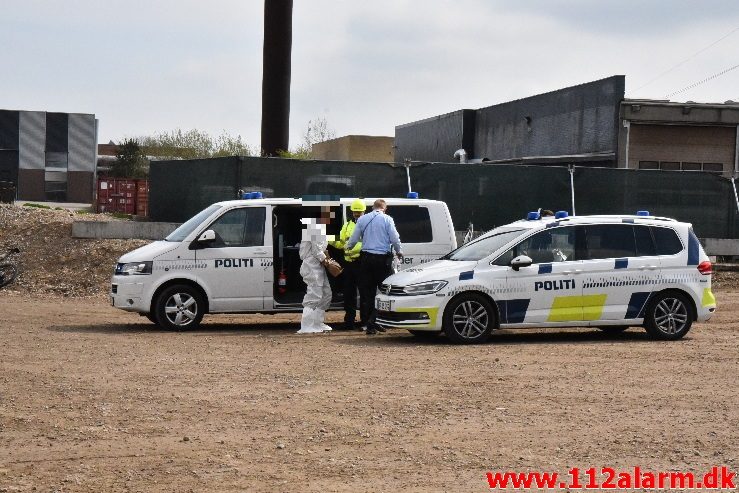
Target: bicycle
x=8, y=270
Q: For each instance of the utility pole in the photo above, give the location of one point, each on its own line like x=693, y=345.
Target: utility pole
x=278, y=35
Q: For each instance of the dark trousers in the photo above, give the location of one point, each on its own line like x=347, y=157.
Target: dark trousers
x=373, y=270
x=351, y=281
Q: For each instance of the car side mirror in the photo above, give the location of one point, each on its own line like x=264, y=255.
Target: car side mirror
x=521, y=261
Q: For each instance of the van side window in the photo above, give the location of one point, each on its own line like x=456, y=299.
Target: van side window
x=550, y=245
x=644, y=241
x=240, y=228
x=412, y=222
x=668, y=243
x=610, y=241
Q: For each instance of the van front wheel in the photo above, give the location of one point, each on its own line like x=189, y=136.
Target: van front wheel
x=180, y=307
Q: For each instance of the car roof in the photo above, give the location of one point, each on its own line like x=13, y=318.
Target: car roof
x=550, y=221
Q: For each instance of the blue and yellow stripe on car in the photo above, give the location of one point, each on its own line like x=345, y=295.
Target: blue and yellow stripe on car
x=575, y=308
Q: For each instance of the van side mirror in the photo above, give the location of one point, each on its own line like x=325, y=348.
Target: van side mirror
x=204, y=240
x=521, y=261
x=207, y=236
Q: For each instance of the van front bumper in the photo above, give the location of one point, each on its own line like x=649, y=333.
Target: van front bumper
x=127, y=294
x=409, y=312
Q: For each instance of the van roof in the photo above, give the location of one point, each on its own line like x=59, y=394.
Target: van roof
x=342, y=200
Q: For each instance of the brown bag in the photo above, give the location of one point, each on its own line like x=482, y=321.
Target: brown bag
x=333, y=267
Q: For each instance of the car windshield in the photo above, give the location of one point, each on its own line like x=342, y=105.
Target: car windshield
x=185, y=229
x=482, y=247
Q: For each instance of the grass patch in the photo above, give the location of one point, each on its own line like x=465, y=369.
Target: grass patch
x=38, y=206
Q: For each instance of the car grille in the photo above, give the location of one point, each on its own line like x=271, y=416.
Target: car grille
x=391, y=290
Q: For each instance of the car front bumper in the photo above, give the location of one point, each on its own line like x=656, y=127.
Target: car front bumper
x=410, y=312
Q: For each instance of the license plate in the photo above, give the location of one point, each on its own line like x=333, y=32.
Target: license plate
x=385, y=306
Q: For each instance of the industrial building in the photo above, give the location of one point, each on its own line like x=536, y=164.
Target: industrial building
x=49, y=156
x=589, y=124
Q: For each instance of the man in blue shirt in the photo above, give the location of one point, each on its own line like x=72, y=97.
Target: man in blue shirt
x=379, y=238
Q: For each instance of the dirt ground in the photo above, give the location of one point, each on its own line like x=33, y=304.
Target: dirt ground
x=94, y=399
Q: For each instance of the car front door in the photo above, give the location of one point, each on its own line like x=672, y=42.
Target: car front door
x=549, y=290
x=234, y=263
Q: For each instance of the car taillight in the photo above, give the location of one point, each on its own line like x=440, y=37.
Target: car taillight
x=705, y=268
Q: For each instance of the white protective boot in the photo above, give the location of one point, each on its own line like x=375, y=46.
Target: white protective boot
x=308, y=323
x=320, y=317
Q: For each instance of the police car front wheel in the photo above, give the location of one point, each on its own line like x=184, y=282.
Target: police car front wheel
x=669, y=316
x=469, y=319
x=180, y=307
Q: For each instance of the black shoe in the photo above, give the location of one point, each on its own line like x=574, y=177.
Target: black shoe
x=381, y=329
x=348, y=326
x=371, y=332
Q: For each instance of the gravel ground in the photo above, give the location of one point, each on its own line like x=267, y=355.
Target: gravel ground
x=94, y=399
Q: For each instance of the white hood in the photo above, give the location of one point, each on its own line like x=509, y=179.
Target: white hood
x=437, y=270
x=149, y=252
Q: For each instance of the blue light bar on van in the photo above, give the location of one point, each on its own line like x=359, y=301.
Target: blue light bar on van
x=246, y=196
x=533, y=216
x=561, y=214
x=643, y=213
x=257, y=195
x=412, y=195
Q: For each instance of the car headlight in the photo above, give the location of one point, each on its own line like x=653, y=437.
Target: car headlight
x=429, y=287
x=133, y=269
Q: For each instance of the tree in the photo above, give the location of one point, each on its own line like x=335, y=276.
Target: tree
x=130, y=161
x=317, y=131
x=193, y=144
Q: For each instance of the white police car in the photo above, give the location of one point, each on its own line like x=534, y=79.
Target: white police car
x=609, y=272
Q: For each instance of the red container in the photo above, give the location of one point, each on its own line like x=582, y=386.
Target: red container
x=142, y=198
x=117, y=195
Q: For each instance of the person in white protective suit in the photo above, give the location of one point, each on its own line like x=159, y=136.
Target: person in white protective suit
x=318, y=293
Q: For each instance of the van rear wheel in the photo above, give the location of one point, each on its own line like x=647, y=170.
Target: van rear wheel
x=180, y=307
x=469, y=319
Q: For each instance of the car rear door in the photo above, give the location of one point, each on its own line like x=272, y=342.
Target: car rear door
x=620, y=270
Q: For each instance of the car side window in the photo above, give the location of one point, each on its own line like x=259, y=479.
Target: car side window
x=242, y=227
x=644, y=241
x=550, y=245
x=609, y=241
x=667, y=241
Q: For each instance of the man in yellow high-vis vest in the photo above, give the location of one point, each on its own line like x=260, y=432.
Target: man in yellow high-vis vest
x=351, y=265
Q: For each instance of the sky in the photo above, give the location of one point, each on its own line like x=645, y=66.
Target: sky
x=144, y=67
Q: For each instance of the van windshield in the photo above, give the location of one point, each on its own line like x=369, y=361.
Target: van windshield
x=482, y=247
x=185, y=229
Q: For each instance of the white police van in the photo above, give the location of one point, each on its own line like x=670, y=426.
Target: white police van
x=609, y=272
x=241, y=256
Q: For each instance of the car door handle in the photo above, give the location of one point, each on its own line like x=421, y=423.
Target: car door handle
x=260, y=252
x=575, y=271
x=650, y=267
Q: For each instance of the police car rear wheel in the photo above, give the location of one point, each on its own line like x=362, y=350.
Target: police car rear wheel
x=669, y=316
x=180, y=307
x=469, y=319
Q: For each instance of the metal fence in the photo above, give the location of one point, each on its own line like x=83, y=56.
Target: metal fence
x=482, y=194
